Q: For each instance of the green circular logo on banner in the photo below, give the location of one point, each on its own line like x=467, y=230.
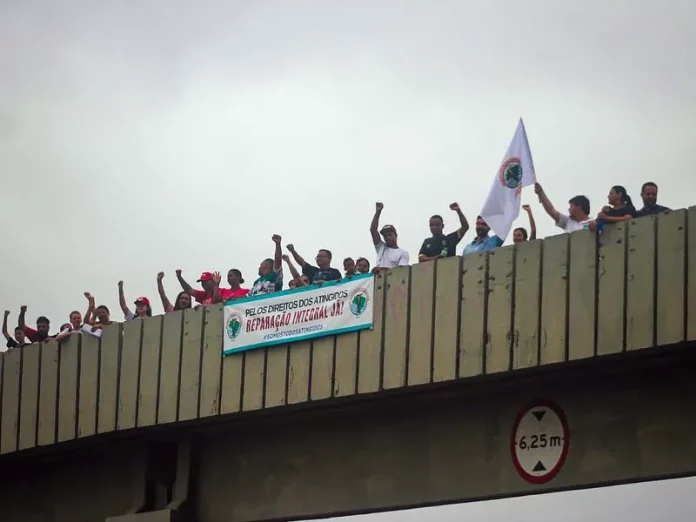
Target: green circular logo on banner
x=234, y=326
x=358, y=302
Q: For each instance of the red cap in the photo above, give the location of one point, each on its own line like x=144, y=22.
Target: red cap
x=206, y=276
x=143, y=300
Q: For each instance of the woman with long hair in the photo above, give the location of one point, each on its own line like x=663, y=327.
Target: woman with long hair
x=182, y=302
x=620, y=207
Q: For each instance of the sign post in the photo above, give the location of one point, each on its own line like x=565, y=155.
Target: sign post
x=539, y=442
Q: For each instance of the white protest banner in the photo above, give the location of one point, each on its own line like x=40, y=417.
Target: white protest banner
x=302, y=313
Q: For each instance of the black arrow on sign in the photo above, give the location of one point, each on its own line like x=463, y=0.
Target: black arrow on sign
x=539, y=467
x=539, y=414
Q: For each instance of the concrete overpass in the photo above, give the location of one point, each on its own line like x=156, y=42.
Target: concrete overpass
x=550, y=365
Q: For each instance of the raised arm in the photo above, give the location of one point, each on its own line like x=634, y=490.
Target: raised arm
x=532, y=222
x=163, y=295
x=374, y=225
x=217, y=296
x=122, y=299
x=546, y=203
x=20, y=320
x=293, y=271
x=278, y=254
x=184, y=285
x=4, y=325
x=463, y=223
x=298, y=258
x=89, y=314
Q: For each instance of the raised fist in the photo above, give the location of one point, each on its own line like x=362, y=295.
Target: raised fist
x=276, y=238
x=379, y=206
x=160, y=276
x=454, y=206
x=178, y=272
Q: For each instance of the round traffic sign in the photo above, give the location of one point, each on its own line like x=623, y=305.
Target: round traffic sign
x=539, y=442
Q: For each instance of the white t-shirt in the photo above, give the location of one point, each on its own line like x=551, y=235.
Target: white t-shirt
x=570, y=225
x=390, y=257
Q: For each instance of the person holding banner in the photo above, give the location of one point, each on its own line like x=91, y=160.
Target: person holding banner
x=270, y=272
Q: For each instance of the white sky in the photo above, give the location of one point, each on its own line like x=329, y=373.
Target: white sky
x=145, y=136
x=670, y=501
x=139, y=136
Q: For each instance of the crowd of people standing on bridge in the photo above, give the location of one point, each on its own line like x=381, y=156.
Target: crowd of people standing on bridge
x=303, y=273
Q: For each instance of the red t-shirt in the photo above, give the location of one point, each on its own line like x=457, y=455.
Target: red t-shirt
x=202, y=298
x=238, y=293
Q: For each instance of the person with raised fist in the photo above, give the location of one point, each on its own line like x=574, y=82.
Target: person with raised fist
x=270, y=271
x=439, y=245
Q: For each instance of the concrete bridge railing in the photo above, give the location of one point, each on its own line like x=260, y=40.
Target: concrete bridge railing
x=565, y=298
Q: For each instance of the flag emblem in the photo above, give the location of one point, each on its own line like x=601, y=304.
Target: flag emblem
x=510, y=174
x=516, y=171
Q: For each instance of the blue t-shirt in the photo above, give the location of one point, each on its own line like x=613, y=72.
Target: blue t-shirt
x=483, y=245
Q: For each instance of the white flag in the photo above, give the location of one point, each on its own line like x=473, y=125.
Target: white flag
x=516, y=171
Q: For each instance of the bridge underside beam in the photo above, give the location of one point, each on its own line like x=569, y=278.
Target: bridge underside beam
x=630, y=425
x=630, y=419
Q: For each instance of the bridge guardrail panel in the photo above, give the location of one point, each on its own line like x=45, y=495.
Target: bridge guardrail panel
x=88, y=386
x=346, y=372
x=129, y=375
x=211, y=362
x=48, y=393
x=11, y=393
x=322, y=357
x=29, y=402
x=447, y=303
x=498, y=329
x=611, y=289
x=69, y=370
x=254, y=379
x=527, y=317
x=170, y=367
x=421, y=323
x=299, y=363
x=190, y=381
x=396, y=311
x=582, y=294
x=109, y=368
x=473, y=314
x=640, y=283
x=554, y=300
x=671, y=277
x=276, y=376
x=370, y=355
x=232, y=381
x=150, y=354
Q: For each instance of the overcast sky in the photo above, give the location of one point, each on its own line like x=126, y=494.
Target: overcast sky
x=139, y=136
x=671, y=501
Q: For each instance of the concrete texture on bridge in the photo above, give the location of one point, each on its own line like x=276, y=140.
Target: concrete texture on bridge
x=532, y=307
x=630, y=418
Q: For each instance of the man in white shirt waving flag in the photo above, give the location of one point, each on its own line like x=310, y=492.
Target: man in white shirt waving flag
x=516, y=171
